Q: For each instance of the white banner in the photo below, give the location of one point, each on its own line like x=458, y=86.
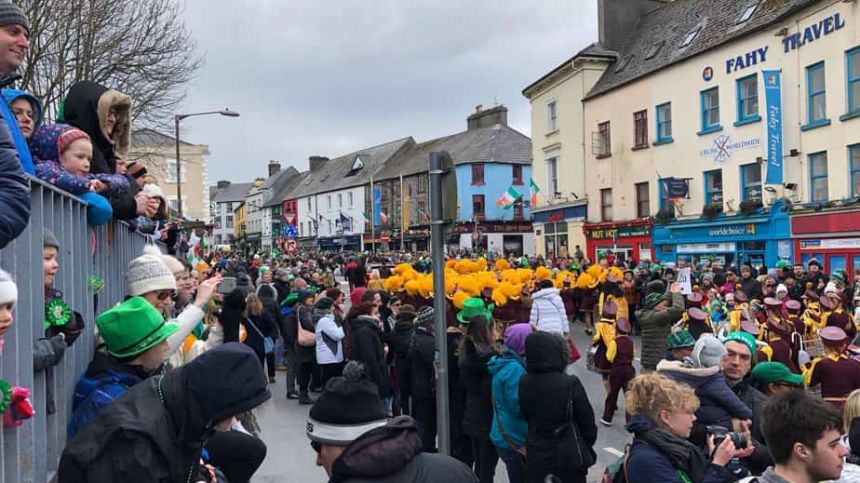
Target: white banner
x=684, y=280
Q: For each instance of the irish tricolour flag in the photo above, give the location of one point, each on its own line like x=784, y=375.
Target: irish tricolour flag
x=535, y=189
x=508, y=198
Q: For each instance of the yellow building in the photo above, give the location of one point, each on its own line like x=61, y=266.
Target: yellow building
x=558, y=149
x=239, y=222
x=158, y=153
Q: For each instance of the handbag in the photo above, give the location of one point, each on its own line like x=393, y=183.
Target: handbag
x=306, y=338
x=268, y=343
x=572, y=454
x=574, y=354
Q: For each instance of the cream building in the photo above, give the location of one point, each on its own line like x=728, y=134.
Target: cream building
x=684, y=108
x=558, y=149
x=157, y=152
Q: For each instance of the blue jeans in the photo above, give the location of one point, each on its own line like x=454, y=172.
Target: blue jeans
x=514, y=463
x=279, y=351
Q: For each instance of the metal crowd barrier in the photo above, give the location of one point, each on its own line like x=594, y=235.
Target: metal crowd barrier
x=31, y=451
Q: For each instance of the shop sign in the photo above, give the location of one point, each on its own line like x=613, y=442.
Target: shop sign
x=615, y=233
x=557, y=215
x=739, y=230
x=706, y=247
x=708, y=73
x=722, y=147
x=743, y=61
x=833, y=244
x=814, y=32
x=491, y=227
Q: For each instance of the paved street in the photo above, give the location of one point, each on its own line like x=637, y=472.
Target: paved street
x=291, y=459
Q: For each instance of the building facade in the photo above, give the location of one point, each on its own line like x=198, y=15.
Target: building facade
x=227, y=197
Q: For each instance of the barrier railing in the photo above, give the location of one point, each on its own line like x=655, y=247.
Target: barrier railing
x=31, y=451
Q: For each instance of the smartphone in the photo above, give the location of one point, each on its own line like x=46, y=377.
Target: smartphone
x=227, y=285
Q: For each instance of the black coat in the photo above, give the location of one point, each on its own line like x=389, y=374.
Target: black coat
x=155, y=431
x=231, y=315
x=544, y=392
x=456, y=393
x=366, y=347
x=399, y=341
x=478, y=385
x=305, y=317
x=14, y=189
x=255, y=340
x=423, y=372
x=751, y=287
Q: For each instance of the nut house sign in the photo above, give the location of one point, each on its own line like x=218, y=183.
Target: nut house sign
x=723, y=146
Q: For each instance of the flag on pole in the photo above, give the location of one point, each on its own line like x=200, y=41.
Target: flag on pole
x=535, y=189
x=506, y=201
x=366, y=216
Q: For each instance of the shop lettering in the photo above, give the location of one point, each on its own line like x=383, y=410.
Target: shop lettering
x=749, y=59
x=733, y=230
x=814, y=32
x=612, y=233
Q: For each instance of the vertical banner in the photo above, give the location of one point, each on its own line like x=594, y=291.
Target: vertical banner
x=377, y=206
x=404, y=210
x=773, y=102
x=684, y=280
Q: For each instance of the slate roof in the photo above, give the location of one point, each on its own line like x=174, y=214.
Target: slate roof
x=151, y=138
x=234, y=192
x=672, y=22
x=498, y=143
x=280, y=178
x=594, y=49
x=287, y=189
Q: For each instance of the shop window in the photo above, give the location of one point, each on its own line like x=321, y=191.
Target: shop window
x=606, y=204
x=854, y=169
x=748, y=100
x=478, y=207
x=852, y=69
x=604, y=139
x=478, y=174
x=643, y=200
x=818, y=177
x=664, y=123
x=714, y=188
x=640, y=129
x=517, y=173
x=552, y=176
x=710, y=100
x=751, y=182
x=816, y=103
x=551, y=116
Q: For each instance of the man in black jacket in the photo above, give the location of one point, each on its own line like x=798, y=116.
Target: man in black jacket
x=421, y=355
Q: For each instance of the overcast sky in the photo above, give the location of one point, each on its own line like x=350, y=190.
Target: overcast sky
x=332, y=77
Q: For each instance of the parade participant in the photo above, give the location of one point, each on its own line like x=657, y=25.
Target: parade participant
x=739, y=311
x=356, y=442
x=812, y=313
x=604, y=341
x=698, y=323
x=778, y=334
x=570, y=299
x=510, y=428
x=622, y=371
x=550, y=400
x=837, y=373
x=792, y=316
x=680, y=345
x=612, y=290
x=660, y=313
x=662, y=415
x=803, y=435
x=586, y=284
x=839, y=316
x=773, y=378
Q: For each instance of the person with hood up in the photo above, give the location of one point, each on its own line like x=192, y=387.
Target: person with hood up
x=421, y=360
x=355, y=441
x=509, y=429
x=554, y=404
x=547, y=312
x=105, y=115
x=329, y=340
x=660, y=312
x=399, y=343
x=26, y=108
x=156, y=431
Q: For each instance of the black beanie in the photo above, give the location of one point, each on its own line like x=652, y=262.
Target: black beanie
x=348, y=407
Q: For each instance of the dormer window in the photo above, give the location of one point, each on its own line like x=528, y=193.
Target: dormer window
x=748, y=13
x=692, y=35
x=357, y=164
x=655, y=49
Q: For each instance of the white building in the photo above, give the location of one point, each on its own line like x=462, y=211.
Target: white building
x=227, y=197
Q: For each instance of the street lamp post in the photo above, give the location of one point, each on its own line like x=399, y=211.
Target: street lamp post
x=176, y=119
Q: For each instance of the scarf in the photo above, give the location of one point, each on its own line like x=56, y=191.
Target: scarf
x=684, y=455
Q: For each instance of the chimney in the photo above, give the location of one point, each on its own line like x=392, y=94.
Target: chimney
x=223, y=184
x=616, y=19
x=316, y=162
x=274, y=167
x=489, y=117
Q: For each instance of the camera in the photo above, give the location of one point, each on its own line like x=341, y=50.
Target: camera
x=720, y=433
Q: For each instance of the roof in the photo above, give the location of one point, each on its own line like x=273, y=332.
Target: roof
x=673, y=22
x=151, y=138
x=277, y=180
x=492, y=144
x=234, y=192
x=593, y=50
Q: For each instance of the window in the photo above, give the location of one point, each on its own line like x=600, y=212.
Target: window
x=339, y=200
x=606, y=204
x=664, y=123
x=691, y=36
x=478, y=206
x=640, y=129
x=710, y=110
x=301, y=228
x=330, y=227
x=477, y=174
x=229, y=221
x=748, y=99
x=604, y=138
x=747, y=14
x=854, y=169
x=329, y=200
x=423, y=182
x=643, y=200
x=552, y=175
x=170, y=171
x=818, y=176
x=852, y=68
x=349, y=199
x=816, y=112
x=551, y=115
x=517, y=173
x=309, y=203
x=751, y=182
x=714, y=188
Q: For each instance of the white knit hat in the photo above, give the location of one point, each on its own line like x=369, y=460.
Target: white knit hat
x=781, y=288
x=8, y=289
x=830, y=288
x=148, y=273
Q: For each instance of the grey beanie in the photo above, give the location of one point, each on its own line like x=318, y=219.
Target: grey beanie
x=148, y=273
x=708, y=351
x=425, y=316
x=49, y=240
x=12, y=14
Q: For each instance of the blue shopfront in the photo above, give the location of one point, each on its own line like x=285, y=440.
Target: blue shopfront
x=760, y=239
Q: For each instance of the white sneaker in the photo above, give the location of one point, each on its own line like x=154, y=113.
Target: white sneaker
x=605, y=422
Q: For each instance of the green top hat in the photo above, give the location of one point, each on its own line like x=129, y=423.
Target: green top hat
x=132, y=328
x=472, y=307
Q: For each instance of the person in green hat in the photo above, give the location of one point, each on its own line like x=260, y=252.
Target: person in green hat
x=661, y=311
x=135, y=335
x=680, y=345
x=472, y=307
x=775, y=378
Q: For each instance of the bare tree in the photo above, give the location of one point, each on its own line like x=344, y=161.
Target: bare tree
x=139, y=47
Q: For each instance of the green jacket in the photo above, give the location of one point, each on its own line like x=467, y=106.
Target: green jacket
x=656, y=325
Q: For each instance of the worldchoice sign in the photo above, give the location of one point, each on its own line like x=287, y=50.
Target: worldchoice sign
x=723, y=146
x=748, y=229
